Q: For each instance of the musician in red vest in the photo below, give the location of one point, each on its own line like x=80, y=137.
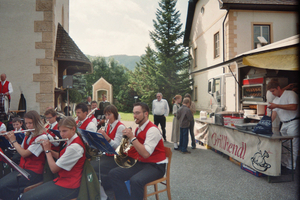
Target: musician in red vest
x=92, y=117
x=151, y=165
x=69, y=166
x=113, y=134
x=32, y=158
x=51, y=116
x=83, y=121
x=6, y=87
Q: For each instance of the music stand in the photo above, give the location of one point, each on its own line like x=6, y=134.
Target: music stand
x=97, y=141
x=15, y=167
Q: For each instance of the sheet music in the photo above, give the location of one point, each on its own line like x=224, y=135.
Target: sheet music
x=96, y=141
x=15, y=166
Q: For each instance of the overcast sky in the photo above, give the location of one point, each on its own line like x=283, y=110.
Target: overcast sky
x=115, y=27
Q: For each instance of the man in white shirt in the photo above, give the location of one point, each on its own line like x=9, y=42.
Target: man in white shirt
x=6, y=87
x=160, y=110
x=285, y=105
x=83, y=121
x=148, y=149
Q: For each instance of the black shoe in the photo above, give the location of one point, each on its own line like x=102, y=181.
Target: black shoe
x=186, y=152
x=193, y=147
x=176, y=148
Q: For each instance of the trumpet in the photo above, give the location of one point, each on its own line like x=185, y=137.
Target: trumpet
x=2, y=134
x=51, y=141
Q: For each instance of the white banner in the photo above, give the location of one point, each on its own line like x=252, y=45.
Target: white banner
x=260, y=153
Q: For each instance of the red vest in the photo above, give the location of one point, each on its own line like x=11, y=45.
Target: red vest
x=53, y=135
x=158, y=153
x=92, y=117
x=4, y=88
x=84, y=124
x=71, y=179
x=33, y=163
x=112, y=135
x=1, y=151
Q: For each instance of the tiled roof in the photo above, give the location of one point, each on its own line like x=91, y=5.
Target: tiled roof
x=66, y=49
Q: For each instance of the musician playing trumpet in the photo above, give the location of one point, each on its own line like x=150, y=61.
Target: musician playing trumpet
x=69, y=166
x=113, y=134
x=149, y=148
x=32, y=158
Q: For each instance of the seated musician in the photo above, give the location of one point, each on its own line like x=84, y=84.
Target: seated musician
x=84, y=122
x=51, y=116
x=113, y=134
x=148, y=146
x=69, y=166
x=32, y=158
x=92, y=117
x=4, y=144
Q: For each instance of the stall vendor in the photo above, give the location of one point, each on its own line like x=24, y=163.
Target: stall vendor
x=285, y=105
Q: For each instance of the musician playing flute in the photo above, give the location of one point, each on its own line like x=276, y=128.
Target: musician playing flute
x=69, y=166
x=149, y=148
x=51, y=116
x=113, y=134
x=32, y=158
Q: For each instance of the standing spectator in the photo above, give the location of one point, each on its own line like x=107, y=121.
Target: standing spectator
x=6, y=87
x=185, y=116
x=88, y=100
x=160, y=110
x=175, y=126
x=103, y=103
x=192, y=123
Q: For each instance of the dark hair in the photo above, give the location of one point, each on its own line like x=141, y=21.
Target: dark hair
x=94, y=102
x=111, y=109
x=186, y=101
x=82, y=106
x=17, y=119
x=89, y=107
x=273, y=84
x=188, y=95
x=144, y=106
x=50, y=111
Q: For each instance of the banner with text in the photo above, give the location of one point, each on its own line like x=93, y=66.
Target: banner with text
x=259, y=153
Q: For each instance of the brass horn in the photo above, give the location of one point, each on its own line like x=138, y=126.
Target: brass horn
x=122, y=159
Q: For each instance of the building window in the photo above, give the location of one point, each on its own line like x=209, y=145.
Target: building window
x=261, y=31
x=195, y=57
x=216, y=45
x=195, y=93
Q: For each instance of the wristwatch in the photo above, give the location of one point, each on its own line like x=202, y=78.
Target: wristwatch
x=47, y=151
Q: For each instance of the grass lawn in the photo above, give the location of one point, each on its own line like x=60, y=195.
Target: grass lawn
x=129, y=116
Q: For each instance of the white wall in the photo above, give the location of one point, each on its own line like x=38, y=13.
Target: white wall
x=17, y=49
x=283, y=25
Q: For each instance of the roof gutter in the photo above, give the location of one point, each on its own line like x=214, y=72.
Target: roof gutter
x=223, y=27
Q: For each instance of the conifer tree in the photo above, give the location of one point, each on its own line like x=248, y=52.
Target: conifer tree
x=172, y=57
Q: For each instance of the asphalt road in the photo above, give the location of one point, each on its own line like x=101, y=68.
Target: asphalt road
x=204, y=174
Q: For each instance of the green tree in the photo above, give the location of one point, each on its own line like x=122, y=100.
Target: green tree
x=172, y=57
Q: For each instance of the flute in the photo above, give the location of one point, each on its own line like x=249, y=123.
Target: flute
x=51, y=141
x=2, y=134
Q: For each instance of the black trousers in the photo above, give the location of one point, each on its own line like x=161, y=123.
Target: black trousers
x=10, y=188
x=161, y=119
x=139, y=175
x=50, y=191
x=106, y=164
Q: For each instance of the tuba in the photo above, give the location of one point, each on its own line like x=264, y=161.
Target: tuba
x=122, y=159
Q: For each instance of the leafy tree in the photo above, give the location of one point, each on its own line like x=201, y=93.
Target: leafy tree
x=172, y=57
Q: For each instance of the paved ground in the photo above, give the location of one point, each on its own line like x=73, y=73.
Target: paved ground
x=204, y=174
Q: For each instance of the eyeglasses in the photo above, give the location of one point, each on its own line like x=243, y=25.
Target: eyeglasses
x=137, y=113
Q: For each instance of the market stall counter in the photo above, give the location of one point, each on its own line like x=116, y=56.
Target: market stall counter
x=260, y=152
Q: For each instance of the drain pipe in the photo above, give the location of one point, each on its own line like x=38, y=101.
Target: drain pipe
x=223, y=24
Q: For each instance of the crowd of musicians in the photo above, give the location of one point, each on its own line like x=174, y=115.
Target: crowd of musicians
x=35, y=149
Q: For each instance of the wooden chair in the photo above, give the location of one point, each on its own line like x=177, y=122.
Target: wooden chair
x=165, y=180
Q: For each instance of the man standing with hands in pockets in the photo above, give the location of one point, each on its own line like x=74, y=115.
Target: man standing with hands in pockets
x=160, y=110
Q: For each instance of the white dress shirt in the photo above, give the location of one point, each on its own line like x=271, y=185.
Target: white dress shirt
x=160, y=107
x=118, y=137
